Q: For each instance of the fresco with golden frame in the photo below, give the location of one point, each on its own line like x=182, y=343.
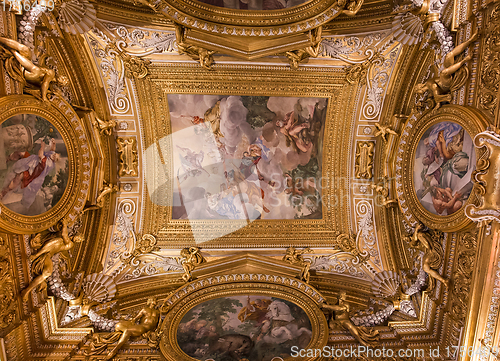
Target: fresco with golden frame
x=247, y=157
x=242, y=320
x=41, y=173
x=233, y=12
x=172, y=160
x=254, y=4
x=435, y=164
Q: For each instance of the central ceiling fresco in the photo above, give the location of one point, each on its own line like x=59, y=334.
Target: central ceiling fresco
x=233, y=180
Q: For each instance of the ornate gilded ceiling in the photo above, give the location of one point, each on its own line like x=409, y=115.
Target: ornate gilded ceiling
x=246, y=180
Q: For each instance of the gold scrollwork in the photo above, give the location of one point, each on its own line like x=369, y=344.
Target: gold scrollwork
x=295, y=57
x=490, y=75
x=135, y=67
x=357, y=73
x=7, y=304
x=295, y=256
x=203, y=56
x=127, y=148
x=486, y=177
x=364, y=160
x=191, y=258
x=462, y=277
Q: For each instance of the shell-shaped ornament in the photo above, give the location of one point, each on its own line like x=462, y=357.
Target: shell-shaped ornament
x=77, y=17
x=99, y=288
x=407, y=28
x=386, y=284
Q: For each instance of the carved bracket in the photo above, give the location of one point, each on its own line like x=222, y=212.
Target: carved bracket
x=364, y=160
x=127, y=148
x=487, y=175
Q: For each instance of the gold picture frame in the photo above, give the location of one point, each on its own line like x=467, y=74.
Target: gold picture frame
x=323, y=83
x=280, y=288
x=305, y=16
x=472, y=122
x=68, y=125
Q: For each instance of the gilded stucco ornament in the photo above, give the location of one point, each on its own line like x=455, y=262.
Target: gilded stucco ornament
x=191, y=258
x=384, y=132
x=358, y=73
x=7, y=293
x=127, y=149
x=433, y=256
x=77, y=16
x=144, y=322
x=295, y=57
x=197, y=53
x=105, y=127
x=364, y=159
x=107, y=188
x=295, y=256
x=35, y=79
x=487, y=178
x=339, y=317
x=154, y=5
x=41, y=262
x=382, y=197
x=451, y=77
x=135, y=67
x=490, y=74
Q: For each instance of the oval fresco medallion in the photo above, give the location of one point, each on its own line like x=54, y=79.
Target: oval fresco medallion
x=255, y=4
x=256, y=328
x=33, y=164
x=444, y=161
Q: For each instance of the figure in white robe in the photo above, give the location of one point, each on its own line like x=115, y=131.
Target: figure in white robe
x=28, y=174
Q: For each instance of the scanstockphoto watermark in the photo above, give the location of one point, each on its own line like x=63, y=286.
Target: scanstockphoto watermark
x=380, y=353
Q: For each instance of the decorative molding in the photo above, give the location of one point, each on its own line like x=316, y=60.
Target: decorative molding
x=127, y=149
x=7, y=291
x=364, y=159
x=112, y=70
x=487, y=177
